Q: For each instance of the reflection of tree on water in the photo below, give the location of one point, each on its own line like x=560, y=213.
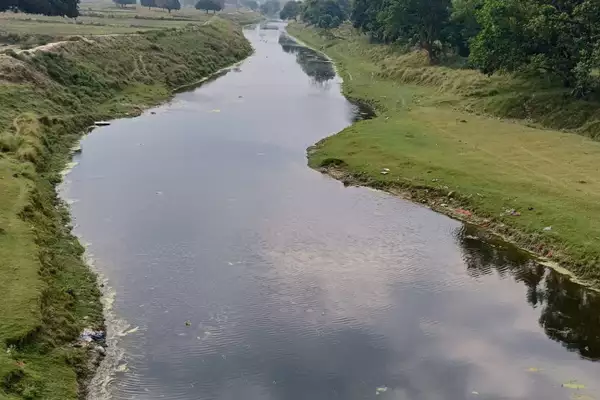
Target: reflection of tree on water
x=312, y=63
x=570, y=313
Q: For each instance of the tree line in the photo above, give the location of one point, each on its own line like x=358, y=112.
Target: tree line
x=70, y=8
x=559, y=39
x=67, y=8
x=207, y=5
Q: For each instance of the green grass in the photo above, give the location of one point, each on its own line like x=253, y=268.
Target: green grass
x=47, y=293
x=438, y=153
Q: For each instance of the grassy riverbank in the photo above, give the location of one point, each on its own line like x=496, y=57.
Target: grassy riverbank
x=47, y=98
x=474, y=167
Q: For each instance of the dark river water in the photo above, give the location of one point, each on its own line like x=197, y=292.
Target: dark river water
x=250, y=276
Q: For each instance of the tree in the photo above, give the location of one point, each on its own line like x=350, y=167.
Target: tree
x=168, y=4
x=323, y=13
x=123, y=3
x=463, y=24
x=209, y=5
x=66, y=8
x=423, y=22
x=557, y=38
x=290, y=10
x=148, y=3
x=502, y=42
x=270, y=7
x=364, y=16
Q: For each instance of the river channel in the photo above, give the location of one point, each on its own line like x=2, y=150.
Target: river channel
x=243, y=274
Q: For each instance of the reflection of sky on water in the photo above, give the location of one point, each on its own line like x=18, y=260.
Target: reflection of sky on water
x=296, y=287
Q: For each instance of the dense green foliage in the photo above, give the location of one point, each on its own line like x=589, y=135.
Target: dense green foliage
x=290, y=10
x=209, y=5
x=270, y=8
x=323, y=13
x=558, y=39
x=68, y=8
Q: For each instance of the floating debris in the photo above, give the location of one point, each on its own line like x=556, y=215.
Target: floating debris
x=216, y=110
x=89, y=335
x=533, y=369
x=129, y=331
x=573, y=385
x=188, y=323
x=122, y=368
x=381, y=389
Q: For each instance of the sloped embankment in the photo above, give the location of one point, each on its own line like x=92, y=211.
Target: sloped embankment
x=47, y=98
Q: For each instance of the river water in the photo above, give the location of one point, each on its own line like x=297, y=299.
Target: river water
x=250, y=276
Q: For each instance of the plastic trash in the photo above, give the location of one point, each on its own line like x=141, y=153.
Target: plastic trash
x=89, y=335
x=381, y=389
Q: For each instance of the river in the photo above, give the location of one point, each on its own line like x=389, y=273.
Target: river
x=250, y=276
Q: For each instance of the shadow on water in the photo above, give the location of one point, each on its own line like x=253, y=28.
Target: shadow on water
x=569, y=312
x=320, y=69
x=202, y=82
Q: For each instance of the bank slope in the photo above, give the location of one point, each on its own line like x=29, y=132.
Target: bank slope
x=539, y=188
x=47, y=99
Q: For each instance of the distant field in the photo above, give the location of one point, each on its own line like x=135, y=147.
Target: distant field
x=102, y=18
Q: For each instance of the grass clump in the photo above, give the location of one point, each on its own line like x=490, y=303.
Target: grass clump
x=440, y=154
x=47, y=293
